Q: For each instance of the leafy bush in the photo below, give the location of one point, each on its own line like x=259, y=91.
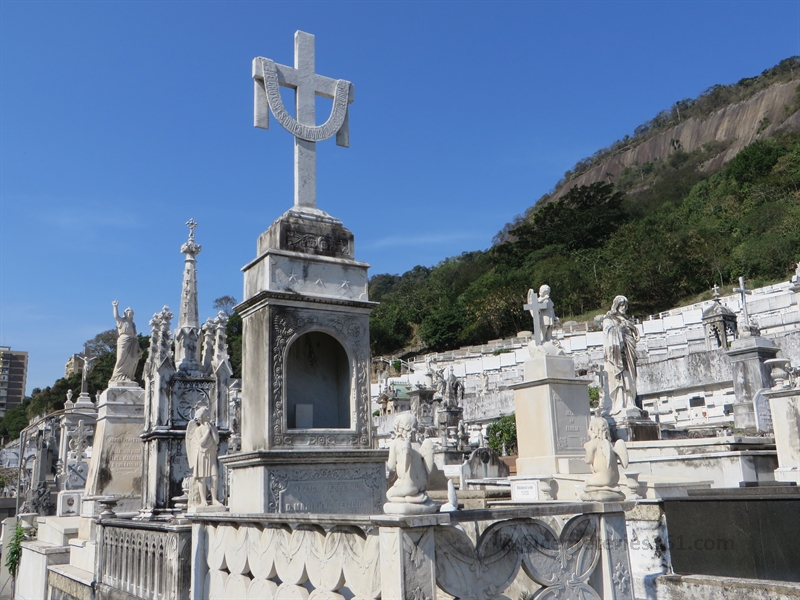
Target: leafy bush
x=503, y=431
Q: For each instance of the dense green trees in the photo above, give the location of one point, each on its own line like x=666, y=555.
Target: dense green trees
x=663, y=232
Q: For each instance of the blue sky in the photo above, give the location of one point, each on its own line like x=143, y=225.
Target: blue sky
x=121, y=120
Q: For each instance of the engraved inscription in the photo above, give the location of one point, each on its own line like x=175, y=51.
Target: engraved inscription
x=337, y=490
x=125, y=454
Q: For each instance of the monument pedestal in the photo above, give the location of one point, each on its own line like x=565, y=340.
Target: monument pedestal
x=552, y=412
x=115, y=468
x=751, y=375
x=633, y=425
x=785, y=406
x=308, y=481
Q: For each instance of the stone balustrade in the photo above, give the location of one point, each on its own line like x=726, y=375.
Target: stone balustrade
x=144, y=560
x=564, y=551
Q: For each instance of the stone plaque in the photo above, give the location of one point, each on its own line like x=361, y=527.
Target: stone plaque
x=525, y=491
x=571, y=430
x=763, y=413
x=76, y=475
x=349, y=490
x=69, y=504
x=342, y=496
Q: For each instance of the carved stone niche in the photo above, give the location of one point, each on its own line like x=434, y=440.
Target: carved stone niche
x=305, y=411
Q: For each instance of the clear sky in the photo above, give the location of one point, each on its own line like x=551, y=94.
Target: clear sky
x=121, y=120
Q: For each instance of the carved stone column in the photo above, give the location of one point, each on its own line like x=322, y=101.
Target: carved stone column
x=613, y=574
x=408, y=556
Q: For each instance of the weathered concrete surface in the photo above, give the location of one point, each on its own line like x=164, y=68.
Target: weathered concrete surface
x=705, y=587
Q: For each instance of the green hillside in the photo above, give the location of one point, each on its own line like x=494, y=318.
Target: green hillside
x=661, y=232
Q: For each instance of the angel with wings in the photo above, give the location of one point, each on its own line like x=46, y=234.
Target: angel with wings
x=603, y=484
x=202, y=440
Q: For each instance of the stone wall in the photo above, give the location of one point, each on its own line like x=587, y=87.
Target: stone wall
x=674, y=363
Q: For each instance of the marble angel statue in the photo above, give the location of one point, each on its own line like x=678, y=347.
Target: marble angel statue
x=602, y=456
x=202, y=441
x=413, y=464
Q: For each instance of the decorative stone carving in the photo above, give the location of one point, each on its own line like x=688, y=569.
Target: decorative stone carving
x=619, y=350
x=287, y=325
x=413, y=464
x=562, y=563
x=278, y=561
x=269, y=77
x=202, y=441
x=603, y=484
x=79, y=441
x=128, y=350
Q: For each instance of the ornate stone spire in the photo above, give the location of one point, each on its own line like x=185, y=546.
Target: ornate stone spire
x=187, y=346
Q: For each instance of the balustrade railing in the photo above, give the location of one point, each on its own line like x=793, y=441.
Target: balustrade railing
x=551, y=550
x=146, y=560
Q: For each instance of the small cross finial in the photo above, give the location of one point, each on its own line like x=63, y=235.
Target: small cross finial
x=715, y=295
x=192, y=225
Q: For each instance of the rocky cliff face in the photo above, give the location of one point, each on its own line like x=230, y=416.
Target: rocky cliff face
x=738, y=125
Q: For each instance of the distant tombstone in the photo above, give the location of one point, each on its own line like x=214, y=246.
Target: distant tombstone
x=719, y=323
x=484, y=463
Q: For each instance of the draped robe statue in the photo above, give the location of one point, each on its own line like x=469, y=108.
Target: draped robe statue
x=619, y=349
x=128, y=350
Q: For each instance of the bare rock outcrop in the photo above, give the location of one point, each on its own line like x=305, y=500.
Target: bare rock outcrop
x=738, y=125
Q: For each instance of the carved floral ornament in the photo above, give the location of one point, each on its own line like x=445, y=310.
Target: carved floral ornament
x=562, y=564
x=310, y=133
x=288, y=325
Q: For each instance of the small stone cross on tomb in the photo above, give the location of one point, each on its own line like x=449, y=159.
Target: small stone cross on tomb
x=192, y=225
x=268, y=77
x=744, y=292
x=533, y=307
x=715, y=295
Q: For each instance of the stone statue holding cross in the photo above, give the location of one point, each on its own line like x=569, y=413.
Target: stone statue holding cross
x=544, y=322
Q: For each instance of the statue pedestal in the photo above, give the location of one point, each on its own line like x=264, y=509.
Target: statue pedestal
x=633, y=425
x=552, y=412
x=115, y=468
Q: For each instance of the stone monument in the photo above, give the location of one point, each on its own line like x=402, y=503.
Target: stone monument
x=195, y=375
x=552, y=411
x=115, y=468
x=748, y=355
x=305, y=412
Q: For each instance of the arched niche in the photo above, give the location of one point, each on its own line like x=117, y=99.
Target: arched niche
x=317, y=383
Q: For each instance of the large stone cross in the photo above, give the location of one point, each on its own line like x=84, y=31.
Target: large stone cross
x=744, y=292
x=307, y=84
x=533, y=307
